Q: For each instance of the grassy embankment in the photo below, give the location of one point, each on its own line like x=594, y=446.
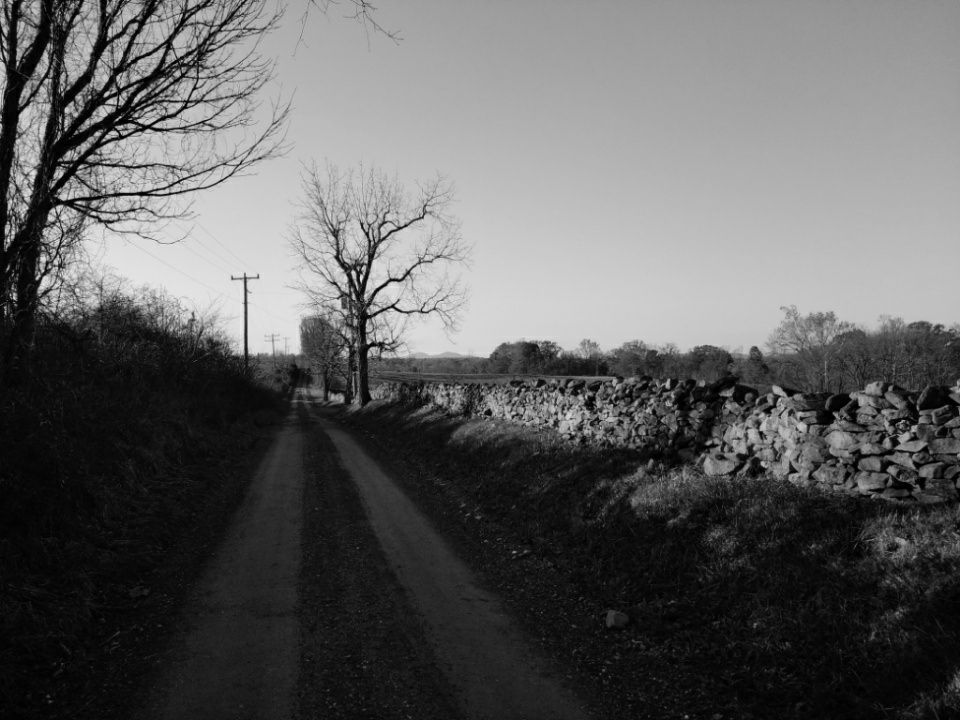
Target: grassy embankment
x=747, y=597
x=122, y=456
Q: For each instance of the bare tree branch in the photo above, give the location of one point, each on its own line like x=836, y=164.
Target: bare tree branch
x=363, y=12
x=112, y=111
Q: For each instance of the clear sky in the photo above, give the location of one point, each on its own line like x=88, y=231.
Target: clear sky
x=625, y=169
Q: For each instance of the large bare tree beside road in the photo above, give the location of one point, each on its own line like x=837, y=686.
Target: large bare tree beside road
x=110, y=112
x=379, y=254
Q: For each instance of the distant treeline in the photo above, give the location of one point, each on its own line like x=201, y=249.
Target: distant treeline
x=815, y=352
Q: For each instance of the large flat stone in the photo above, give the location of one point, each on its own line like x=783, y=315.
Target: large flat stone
x=898, y=400
x=871, y=481
x=943, y=446
x=911, y=446
x=932, y=470
x=871, y=463
x=904, y=459
x=831, y=474
x=841, y=440
x=718, y=464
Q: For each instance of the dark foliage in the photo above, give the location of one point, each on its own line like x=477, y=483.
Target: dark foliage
x=102, y=446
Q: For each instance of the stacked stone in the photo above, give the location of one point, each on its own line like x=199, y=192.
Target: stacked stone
x=668, y=416
x=883, y=441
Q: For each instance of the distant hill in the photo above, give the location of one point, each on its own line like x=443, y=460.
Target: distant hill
x=428, y=356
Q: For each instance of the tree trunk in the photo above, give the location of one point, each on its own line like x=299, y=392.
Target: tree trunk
x=348, y=385
x=24, y=326
x=363, y=381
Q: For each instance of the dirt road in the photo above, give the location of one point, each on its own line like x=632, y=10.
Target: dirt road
x=332, y=596
x=235, y=655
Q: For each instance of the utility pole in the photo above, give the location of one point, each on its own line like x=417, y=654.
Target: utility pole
x=246, y=293
x=272, y=339
x=286, y=345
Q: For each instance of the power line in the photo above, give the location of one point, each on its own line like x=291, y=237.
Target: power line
x=195, y=236
x=218, y=264
x=190, y=239
x=178, y=270
x=217, y=241
x=272, y=314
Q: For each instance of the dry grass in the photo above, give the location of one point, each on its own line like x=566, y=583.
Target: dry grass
x=756, y=598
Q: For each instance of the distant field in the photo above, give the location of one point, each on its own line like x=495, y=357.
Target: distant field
x=471, y=378
x=467, y=378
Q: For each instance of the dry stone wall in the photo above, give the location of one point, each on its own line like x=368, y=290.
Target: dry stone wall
x=882, y=441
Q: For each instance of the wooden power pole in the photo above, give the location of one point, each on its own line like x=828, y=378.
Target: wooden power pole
x=246, y=346
x=272, y=339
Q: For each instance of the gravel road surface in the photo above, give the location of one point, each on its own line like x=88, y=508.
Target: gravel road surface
x=235, y=655
x=332, y=596
x=492, y=670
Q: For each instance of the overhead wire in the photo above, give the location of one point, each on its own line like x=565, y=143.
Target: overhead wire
x=215, y=264
x=194, y=243
x=213, y=237
x=227, y=262
x=272, y=314
x=187, y=275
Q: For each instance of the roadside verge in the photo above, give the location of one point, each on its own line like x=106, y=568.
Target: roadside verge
x=85, y=607
x=743, y=598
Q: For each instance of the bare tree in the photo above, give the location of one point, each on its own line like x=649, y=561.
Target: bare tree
x=590, y=351
x=635, y=357
x=378, y=253
x=324, y=344
x=815, y=343
x=111, y=112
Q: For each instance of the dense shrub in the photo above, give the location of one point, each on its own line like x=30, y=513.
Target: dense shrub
x=115, y=389
x=107, y=447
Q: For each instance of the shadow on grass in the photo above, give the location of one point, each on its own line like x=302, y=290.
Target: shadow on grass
x=782, y=600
